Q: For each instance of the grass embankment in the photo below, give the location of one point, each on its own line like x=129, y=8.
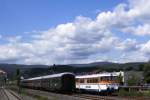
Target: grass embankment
x=125, y=93
x=25, y=92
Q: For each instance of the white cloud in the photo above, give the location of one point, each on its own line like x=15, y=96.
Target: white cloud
x=1, y=36
x=127, y=45
x=139, y=30
x=128, y=18
x=14, y=39
x=145, y=48
x=86, y=40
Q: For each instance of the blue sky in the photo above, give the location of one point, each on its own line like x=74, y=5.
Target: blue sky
x=74, y=31
x=19, y=16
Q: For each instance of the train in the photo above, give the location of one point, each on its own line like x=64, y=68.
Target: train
x=62, y=82
x=102, y=82
x=69, y=82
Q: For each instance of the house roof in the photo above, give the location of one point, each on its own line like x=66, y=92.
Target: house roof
x=2, y=72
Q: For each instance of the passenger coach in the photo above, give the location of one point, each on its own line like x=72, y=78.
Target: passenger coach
x=63, y=82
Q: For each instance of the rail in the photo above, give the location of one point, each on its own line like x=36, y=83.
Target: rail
x=18, y=98
x=6, y=94
x=11, y=93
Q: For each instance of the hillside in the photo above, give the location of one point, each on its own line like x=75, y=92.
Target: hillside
x=37, y=70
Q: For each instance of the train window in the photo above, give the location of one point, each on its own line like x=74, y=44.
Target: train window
x=114, y=78
x=92, y=80
x=95, y=80
x=109, y=78
x=77, y=80
x=88, y=80
x=105, y=78
x=81, y=80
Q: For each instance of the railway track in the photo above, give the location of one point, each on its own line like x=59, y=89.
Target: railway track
x=8, y=95
x=73, y=96
x=77, y=96
x=97, y=97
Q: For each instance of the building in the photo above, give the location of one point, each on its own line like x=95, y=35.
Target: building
x=3, y=76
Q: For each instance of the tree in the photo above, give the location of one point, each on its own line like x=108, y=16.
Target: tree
x=52, y=69
x=146, y=71
x=141, y=67
x=18, y=76
x=129, y=68
x=133, y=80
x=120, y=79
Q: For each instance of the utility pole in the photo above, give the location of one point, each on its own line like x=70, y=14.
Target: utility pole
x=51, y=68
x=18, y=79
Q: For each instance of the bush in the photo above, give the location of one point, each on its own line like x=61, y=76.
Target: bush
x=123, y=92
x=147, y=93
x=133, y=80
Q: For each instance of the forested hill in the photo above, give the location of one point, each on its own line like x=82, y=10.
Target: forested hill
x=37, y=70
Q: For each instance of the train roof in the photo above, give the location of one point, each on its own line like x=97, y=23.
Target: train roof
x=48, y=76
x=98, y=75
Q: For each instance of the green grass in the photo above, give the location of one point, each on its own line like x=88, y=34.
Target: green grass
x=123, y=92
x=146, y=93
x=24, y=92
x=40, y=97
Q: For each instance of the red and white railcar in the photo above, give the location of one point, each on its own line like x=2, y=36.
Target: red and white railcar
x=102, y=82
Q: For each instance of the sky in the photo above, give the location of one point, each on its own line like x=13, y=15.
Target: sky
x=74, y=31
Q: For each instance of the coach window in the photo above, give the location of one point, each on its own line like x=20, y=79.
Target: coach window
x=101, y=79
x=77, y=80
x=81, y=80
x=95, y=80
x=114, y=78
x=88, y=80
x=91, y=80
x=104, y=78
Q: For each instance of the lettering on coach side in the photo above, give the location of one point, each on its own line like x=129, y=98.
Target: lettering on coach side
x=87, y=86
